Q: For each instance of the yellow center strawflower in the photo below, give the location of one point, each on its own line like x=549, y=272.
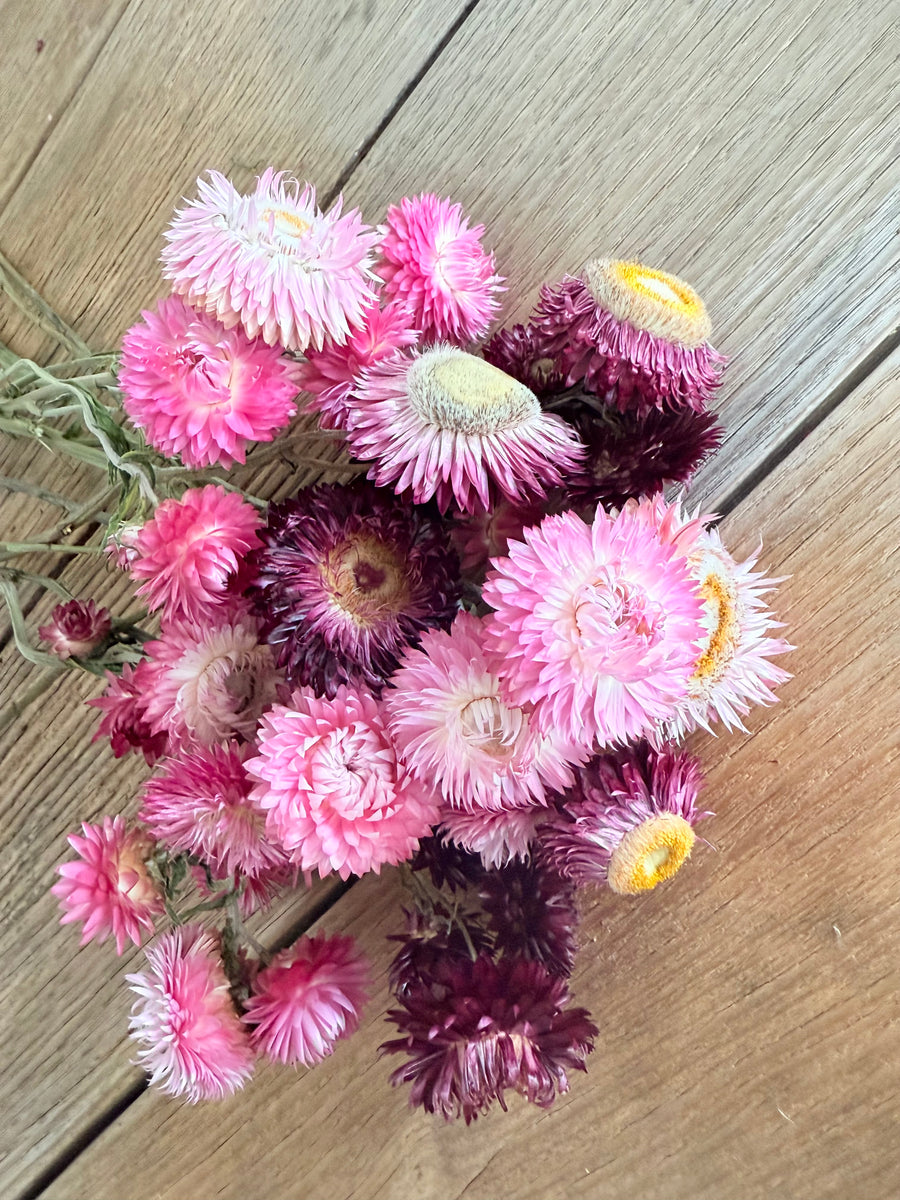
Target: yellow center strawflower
x=661, y=304
x=650, y=853
x=285, y=223
x=723, y=637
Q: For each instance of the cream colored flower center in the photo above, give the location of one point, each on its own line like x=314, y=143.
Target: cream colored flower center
x=366, y=579
x=660, y=304
x=650, y=853
x=460, y=393
x=492, y=726
x=283, y=223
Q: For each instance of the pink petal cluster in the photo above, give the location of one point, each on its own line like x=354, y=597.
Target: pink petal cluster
x=191, y=549
x=76, y=628
x=496, y=835
x=329, y=374
x=272, y=260
x=124, y=721
x=200, y=390
x=434, y=263
x=109, y=889
x=308, y=998
x=598, y=625
x=193, y=1042
x=336, y=795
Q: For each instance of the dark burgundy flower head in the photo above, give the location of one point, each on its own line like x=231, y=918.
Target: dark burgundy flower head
x=524, y=352
x=532, y=913
x=448, y=864
x=346, y=578
x=480, y=1029
x=431, y=939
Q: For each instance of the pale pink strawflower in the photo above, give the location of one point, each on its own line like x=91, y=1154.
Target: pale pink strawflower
x=193, y=1042
x=188, y=554
x=124, y=721
x=210, y=682
x=329, y=374
x=109, y=889
x=452, y=727
x=435, y=263
x=76, y=629
x=336, y=794
x=497, y=835
x=272, y=260
x=200, y=390
x=308, y=998
x=448, y=425
x=597, y=625
x=199, y=803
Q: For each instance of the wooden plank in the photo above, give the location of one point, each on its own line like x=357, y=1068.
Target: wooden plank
x=48, y=48
x=180, y=88
x=749, y=1043
x=750, y=149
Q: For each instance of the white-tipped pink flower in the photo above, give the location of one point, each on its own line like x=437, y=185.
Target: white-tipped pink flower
x=272, y=260
x=76, y=628
x=191, y=549
x=497, y=835
x=453, y=729
x=200, y=390
x=109, y=889
x=448, y=425
x=436, y=265
x=307, y=999
x=193, y=1042
x=597, y=625
x=336, y=795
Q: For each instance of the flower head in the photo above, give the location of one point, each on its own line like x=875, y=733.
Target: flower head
x=329, y=374
x=309, y=997
x=336, y=796
x=189, y=551
x=526, y=353
x=347, y=578
x=76, y=628
x=452, y=727
x=193, y=1042
x=479, y=1029
x=435, y=264
x=483, y=535
x=430, y=939
x=628, y=821
x=272, y=260
x=448, y=425
x=109, y=889
x=634, y=336
x=496, y=835
x=124, y=721
x=200, y=390
x=531, y=911
x=597, y=625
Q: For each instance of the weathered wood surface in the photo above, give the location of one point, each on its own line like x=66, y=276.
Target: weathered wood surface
x=749, y=1041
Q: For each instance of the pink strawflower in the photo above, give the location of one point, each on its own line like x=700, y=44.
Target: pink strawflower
x=635, y=337
x=435, y=264
x=211, y=682
x=202, y=391
x=76, y=629
x=337, y=797
x=597, y=625
x=308, y=998
x=453, y=729
x=121, y=545
x=448, y=425
x=329, y=374
x=110, y=888
x=199, y=803
x=497, y=836
x=627, y=821
x=483, y=535
x=272, y=260
x=191, y=549
x=124, y=721
x=193, y=1042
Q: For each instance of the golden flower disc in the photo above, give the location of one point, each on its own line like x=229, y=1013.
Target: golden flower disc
x=650, y=853
x=661, y=304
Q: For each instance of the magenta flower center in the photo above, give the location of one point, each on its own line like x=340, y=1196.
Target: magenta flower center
x=611, y=611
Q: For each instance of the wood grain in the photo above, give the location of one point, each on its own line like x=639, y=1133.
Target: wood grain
x=749, y=1040
x=750, y=149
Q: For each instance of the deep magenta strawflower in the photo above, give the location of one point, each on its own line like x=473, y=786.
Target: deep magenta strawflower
x=76, y=628
x=124, y=721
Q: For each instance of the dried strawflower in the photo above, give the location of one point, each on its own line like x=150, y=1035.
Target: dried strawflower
x=485, y=534
x=200, y=390
x=76, y=628
x=447, y=864
x=336, y=795
x=347, y=578
x=436, y=265
x=524, y=352
x=429, y=940
x=496, y=835
x=479, y=1029
x=448, y=425
x=124, y=721
x=193, y=1042
x=308, y=998
x=272, y=260
x=531, y=911
x=191, y=549
x=109, y=889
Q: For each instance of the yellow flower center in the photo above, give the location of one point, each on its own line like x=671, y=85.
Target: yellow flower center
x=366, y=580
x=459, y=392
x=284, y=223
x=661, y=304
x=722, y=639
x=650, y=853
